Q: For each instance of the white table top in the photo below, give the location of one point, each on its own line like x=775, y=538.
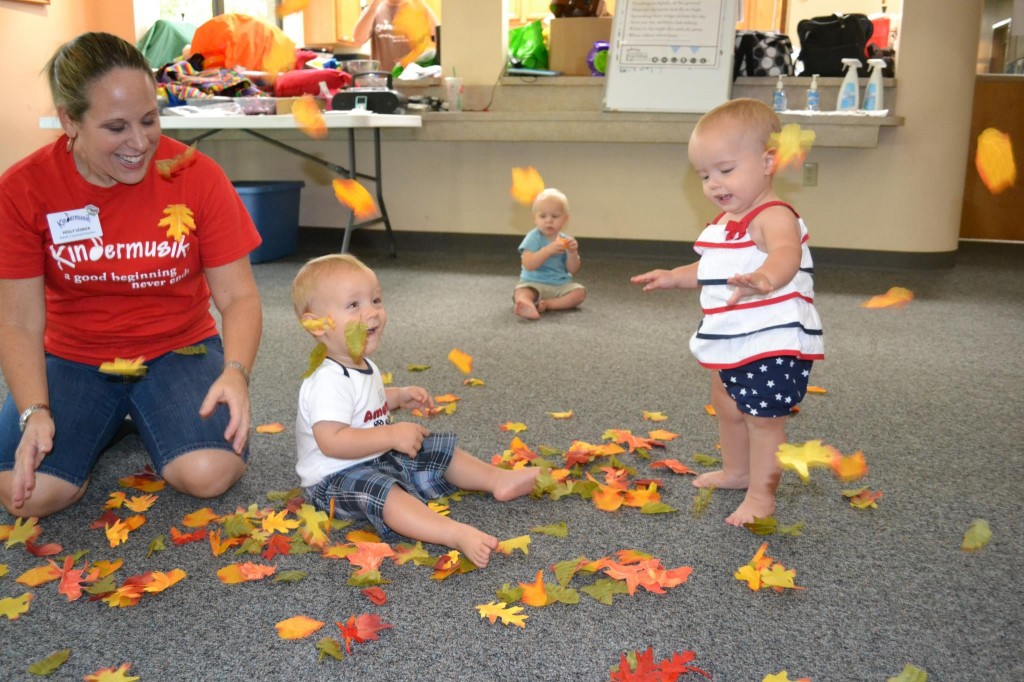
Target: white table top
x=334, y=119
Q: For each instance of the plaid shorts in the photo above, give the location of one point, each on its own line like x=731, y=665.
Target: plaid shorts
x=769, y=387
x=359, y=491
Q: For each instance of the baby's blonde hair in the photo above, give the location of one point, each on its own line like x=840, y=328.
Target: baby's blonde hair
x=550, y=193
x=313, y=272
x=754, y=116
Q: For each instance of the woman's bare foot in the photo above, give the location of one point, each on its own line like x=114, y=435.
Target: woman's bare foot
x=754, y=505
x=475, y=544
x=721, y=479
x=513, y=483
x=526, y=310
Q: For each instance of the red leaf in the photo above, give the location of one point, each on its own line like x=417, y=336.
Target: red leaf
x=277, y=544
x=42, y=550
x=362, y=628
x=376, y=595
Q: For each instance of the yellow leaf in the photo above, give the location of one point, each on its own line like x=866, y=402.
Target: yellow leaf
x=522, y=543
x=160, y=581
x=116, y=500
x=14, y=607
x=655, y=416
x=800, y=458
x=514, y=427
x=509, y=615
x=473, y=382
x=791, y=145
x=313, y=525
x=124, y=368
x=297, y=627
x=977, y=536
x=662, y=435
x=179, y=221
x=276, y=522
x=22, y=530
x=561, y=415
x=447, y=398
x=117, y=533
x=462, y=361
x=318, y=324
x=710, y=409
x=526, y=185
x=40, y=575
x=140, y=503
x=308, y=117
x=287, y=7
x=386, y=378
x=749, y=575
x=112, y=675
x=353, y=195
x=107, y=567
x=316, y=358
x=199, y=518
x=362, y=535
x=778, y=576
x=994, y=160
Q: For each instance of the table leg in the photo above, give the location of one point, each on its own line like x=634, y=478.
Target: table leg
x=380, y=192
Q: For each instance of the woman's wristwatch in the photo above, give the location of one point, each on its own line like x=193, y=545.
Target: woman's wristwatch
x=29, y=411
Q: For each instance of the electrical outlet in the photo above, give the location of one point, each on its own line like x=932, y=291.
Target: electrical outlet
x=810, y=175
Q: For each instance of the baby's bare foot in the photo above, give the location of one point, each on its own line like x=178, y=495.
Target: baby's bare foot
x=475, y=544
x=753, y=506
x=721, y=479
x=513, y=483
x=526, y=310
x=542, y=306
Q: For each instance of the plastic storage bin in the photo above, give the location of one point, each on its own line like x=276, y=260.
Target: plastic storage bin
x=274, y=207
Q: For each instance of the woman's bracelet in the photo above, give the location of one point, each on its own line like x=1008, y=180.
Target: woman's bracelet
x=235, y=364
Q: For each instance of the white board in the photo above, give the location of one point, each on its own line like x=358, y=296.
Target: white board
x=670, y=55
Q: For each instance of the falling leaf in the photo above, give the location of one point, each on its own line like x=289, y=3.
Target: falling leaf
x=462, y=361
x=274, y=427
x=317, y=324
x=526, y=185
x=791, y=145
x=124, y=368
x=895, y=297
x=910, y=673
x=50, y=664
x=356, y=197
x=849, y=468
x=286, y=7
x=558, y=530
x=655, y=416
x=167, y=168
x=514, y=427
x=179, y=221
x=816, y=389
x=994, y=160
x=112, y=675
x=15, y=607
x=509, y=615
x=308, y=117
x=977, y=536
x=316, y=358
x=522, y=543
x=710, y=409
x=800, y=458
x=561, y=415
x=297, y=627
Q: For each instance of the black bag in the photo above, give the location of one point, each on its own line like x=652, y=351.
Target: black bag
x=762, y=53
x=826, y=41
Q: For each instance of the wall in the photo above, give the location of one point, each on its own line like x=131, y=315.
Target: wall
x=27, y=94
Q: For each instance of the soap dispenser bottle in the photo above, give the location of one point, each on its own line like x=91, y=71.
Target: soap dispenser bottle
x=849, y=91
x=813, y=96
x=873, y=92
x=779, y=96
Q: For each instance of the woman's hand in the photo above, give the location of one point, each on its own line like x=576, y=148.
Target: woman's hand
x=231, y=389
x=36, y=443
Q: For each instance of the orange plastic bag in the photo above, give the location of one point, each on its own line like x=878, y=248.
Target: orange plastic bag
x=238, y=40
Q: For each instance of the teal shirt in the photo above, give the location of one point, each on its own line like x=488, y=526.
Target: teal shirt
x=551, y=271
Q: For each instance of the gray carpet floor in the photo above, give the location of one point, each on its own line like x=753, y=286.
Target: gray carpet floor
x=931, y=394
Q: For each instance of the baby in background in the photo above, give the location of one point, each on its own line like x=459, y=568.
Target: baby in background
x=549, y=259
x=349, y=448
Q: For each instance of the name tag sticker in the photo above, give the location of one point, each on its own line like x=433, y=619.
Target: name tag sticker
x=74, y=226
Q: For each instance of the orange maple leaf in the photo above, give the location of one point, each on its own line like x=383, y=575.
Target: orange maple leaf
x=145, y=481
x=535, y=594
x=638, y=497
x=526, y=185
x=791, y=145
x=462, y=361
x=140, y=503
x=308, y=117
x=849, y=468
x=376, y=595
x=167, y=168
x=200, y=518
x=71, y=579
x=413, y=21
x=361, y=628
x=356, y=197
x=160, y=581
x=179, y=538
x=895, y=297
x=369, y=555
x=297, y=627
x=674, y=465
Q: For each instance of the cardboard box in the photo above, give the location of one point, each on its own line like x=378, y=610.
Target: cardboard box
x=572, y=39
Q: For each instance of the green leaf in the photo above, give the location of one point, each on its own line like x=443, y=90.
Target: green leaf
x=657, y=508
x=584, y=489
x=236, y=525
x=417, y=368
x=565, y=570
x=604, y=589
x=544, y=483
x=702, y=501
x=298, y=546
x=762, y=525
x=565, y=595
x=104, y=585
x=355, y=339
x=283, y=495
x=49, y=665
x=316, y=358
x=251, y=545
x=558, y=530
x=793, y=530
x=289, y=576
x=509, y=594
x=548, y=451
x=911, y=673
x=563, y=489
x=706, y=460
x=367, y=579
x=198, y=349
x=977, y=536
x=156, y=545
x=328, y=646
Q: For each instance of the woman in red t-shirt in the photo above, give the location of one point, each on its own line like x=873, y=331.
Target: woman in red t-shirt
x=113, y=240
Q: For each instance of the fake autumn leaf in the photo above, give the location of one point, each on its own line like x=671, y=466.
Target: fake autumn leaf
x=509, y=615
x=361, y=628
x=317, y=324
x=167, y=168
x=534, y=593
x=23, y=530
x=200, y=518
x=356, y=197
x=316, y=358
x=270, y=429
x=179, y=221
x=160, y=581
x=15, y=607
x=287, y=7
x=124, y=368
x=275, y=522
x=526, y=185
x=50, y=664
x=662, y=435
x=140, y=503
x=849, y=468
x=977, y=536
x=558, y=530
x=413, y=21
x=994, y=160
x=801, y=458
x=561, y=415
x=763, y=572
x=791, y=145
x=863, y=498
x=895, y=297
x=355, y=339
x=910, y=673
x=145, y=481
x=376, y=595
x=514, y=427
x=462, y=361
x=297, y=627
x=655, y=416
x=308, y=117
x=648, y=574
x=473, y=382
x=637, y=666
x=40, y=575
x=783, y=676
x=522, y=543
x=369, y=555
x=119, y=674
x=232, y=574
x=673, y=465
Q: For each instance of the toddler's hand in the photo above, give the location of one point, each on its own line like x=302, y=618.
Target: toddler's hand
x=408, y=438
x=655, y=279
x=410, y=397
x=750, y=284
x=571, y=245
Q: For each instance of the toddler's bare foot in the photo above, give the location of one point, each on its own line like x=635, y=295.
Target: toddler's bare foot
x=542, y=306
x=721, y=479
x=753, y=506
x=526, y=310
x=515, y=483
x=475, y=544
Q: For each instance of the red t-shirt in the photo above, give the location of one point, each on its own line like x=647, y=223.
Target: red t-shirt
x=130, y=288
